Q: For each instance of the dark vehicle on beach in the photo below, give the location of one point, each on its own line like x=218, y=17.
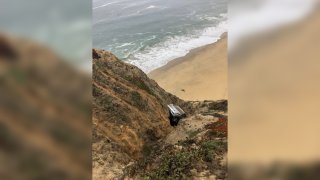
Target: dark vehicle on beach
x=176, y=113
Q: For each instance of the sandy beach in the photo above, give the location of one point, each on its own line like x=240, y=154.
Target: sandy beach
x=200, y=75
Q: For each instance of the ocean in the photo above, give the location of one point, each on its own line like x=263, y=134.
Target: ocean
x=150, y=33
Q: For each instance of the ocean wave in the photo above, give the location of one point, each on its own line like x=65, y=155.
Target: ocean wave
x=208, y=18
x=135, y=4
x=156, y=56
x=219, y=17
x=125, y=44
x=151, y=7
x=224, y=15
x=104, y=5
x=152, y=38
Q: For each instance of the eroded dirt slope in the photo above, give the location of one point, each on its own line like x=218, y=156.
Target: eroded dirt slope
x=129, y=112
x=132, y=136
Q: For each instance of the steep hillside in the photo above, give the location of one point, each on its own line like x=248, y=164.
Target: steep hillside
x=44, y=114
x=126, y=102
x=129, y=109
x=131, y=129
x=195, y=149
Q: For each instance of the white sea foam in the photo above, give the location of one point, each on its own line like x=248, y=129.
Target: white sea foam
x=223, y=15
x=178, y=46
x=104, y=5
x=151, y=7
x=152, y=38
x=209, y=18
x=125, y=44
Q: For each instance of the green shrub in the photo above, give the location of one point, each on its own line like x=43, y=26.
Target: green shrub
x=140, y=83
x=207, y=149
x=193, y=134
x=174, y=166
x=146, y=150
x=209, y=145
x=209, y=156
x=137, y=99
x=18, y=75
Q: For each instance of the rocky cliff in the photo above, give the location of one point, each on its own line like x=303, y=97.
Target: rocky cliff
x=128, y=107
x=131, y=129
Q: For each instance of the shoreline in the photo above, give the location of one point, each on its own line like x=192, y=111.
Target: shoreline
x=199, y=75
x=177, y=61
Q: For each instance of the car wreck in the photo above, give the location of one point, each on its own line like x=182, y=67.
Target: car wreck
x=176, y=114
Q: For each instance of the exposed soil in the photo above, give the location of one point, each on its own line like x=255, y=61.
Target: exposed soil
x=132, y=136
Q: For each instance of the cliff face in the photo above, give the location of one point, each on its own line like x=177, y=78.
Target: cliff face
x=132, y=135
x=128, y=107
